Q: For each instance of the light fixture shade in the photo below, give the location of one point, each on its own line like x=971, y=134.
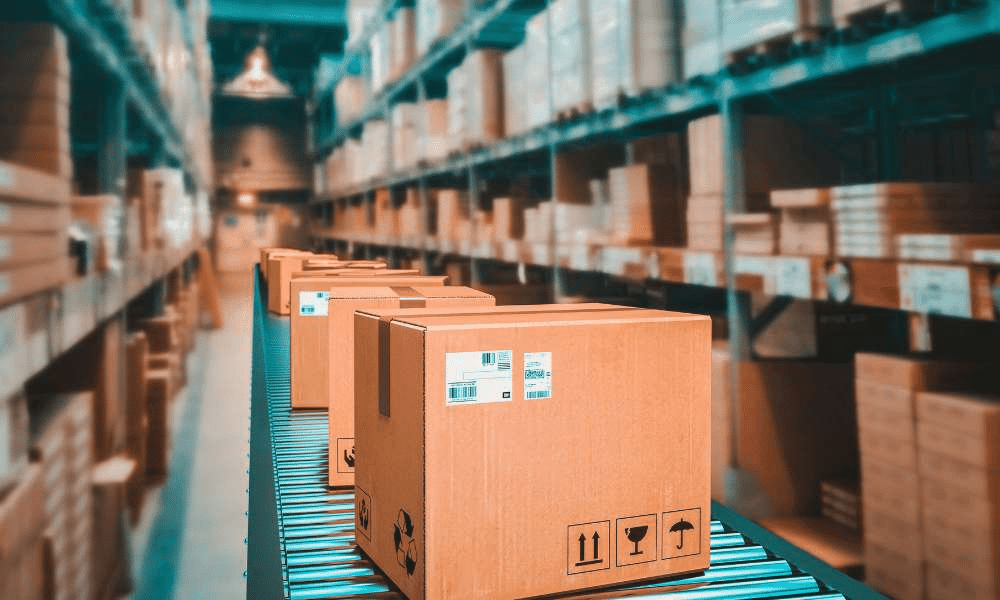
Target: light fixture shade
x=257, y=81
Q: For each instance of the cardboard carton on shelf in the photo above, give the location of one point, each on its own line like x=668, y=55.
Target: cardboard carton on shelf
x=309, y=339
x=643, y=207
x=22, y=522
x=507, y=389
x=894, y=573
x=343, y=301
x=161, y=389
x=754, y=233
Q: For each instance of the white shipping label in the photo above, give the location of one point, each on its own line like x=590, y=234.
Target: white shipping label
x=314, y=304
x=935, y=290
x=478, y=377
x=699, y=269
x=537, y=375
x=793, y=277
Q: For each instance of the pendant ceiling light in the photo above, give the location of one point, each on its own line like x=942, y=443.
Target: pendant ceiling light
x=257, y=81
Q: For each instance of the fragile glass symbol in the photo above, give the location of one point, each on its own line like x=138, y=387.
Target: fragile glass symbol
x=636, y=535
x=681, y=526
x=583, y=551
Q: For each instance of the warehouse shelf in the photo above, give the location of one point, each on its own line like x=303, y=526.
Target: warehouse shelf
x=301, y=533
x=705, y=93
x=104, y=34
x=356, y=50
x=954, y=289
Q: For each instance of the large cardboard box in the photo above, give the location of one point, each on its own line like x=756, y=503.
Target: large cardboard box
x=343, y=301
x=470, y=483
x=309, y=334
x=279, y=271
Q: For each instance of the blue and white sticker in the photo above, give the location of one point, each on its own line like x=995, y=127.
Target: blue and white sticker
x=314, y=304
x=537, y=375
x=479, y=377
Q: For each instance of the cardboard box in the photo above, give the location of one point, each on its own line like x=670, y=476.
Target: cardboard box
x=22, y=514
x=894, y=573
x=26, y=217
x=279, y=272
x=160, y=391
x=972, y=414
x=977, y=451
x=643, y=373
x=945, y=506
x=309, y=336
x=914, y=372
x=944, y=583
x=960, y=476
x=342, y=303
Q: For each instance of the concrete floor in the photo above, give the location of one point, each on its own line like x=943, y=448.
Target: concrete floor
x=190, y=542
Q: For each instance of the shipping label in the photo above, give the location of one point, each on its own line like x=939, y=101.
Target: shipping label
x=314, y=304
x=935, y=290
x=537, y=375
x=478, y=377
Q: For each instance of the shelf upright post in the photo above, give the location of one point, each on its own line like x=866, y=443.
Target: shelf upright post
x=475, y=264
x=425, y=259
x=558, y=276
x=887, y=121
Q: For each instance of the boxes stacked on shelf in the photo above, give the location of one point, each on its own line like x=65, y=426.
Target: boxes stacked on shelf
x=536, y=86
x=62, y=444
x=34, y=229
x=359, y=13
x=380, y=55
x=508, y=219
x=745, y=24
x=35, y=96
x=386, y=216
x=475, y=100
x=111, y=551
x=103, y=221
x=642, y=206
x=754, y=233
x=482, y=362
x=435, y=20
x=886, y=395
x=634, y=47
x=411, y=230
x=701, y=38
x=374, y=153
x=538, y=223
x=22, y=542
x=805, y=225
x=945, y=246
x=869, y=217
x=574, y=223
x=959, y=458
x=452, y=214
x=137, y=424
x=13, y=439
x=403, y=48
x=570, y=60
x=432, y=125
x=841, y=503
x=796, y=163
x=349, y=98
x=405, y=135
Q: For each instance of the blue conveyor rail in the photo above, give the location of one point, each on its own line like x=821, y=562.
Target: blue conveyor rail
x=301, y=533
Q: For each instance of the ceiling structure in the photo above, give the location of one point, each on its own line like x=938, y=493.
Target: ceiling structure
x=295, y=33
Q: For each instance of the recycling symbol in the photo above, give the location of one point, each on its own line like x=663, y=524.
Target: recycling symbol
x=406, y=546
x=363, y=514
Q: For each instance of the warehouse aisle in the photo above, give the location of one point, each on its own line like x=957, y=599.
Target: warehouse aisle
x=190, y=543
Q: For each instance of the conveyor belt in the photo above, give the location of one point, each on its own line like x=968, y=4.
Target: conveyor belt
x=317, y=557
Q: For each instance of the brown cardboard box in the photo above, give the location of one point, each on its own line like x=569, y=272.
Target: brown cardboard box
x=972, y=414
x=981, y=452
x=915, y=372
x=342, y=303
x=309, y=367
x=22, y=514
x=944, y=506
x=29, y=248
x=893, y=573
x=508, y=219
x=25, y=217
x=885, y=530
x=279, y=272
x=891, y=490
x=511, y=514
x=160, y=386
x=975, y=553
x=18, y=282
x=960, y=476
x=111, y=481
x=644, y=208
x=944, y=583
x=161, y=332
x=509, y=294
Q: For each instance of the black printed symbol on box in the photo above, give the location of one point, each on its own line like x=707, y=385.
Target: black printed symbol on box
x=406, y=546
x=636, y=540
x=345, y=455
x=363, y=506
x=681, y=533
x=588, y=547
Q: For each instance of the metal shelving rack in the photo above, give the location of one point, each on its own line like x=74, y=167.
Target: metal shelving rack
x=301, y=533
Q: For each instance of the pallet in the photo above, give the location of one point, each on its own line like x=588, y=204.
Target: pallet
x=802, y=41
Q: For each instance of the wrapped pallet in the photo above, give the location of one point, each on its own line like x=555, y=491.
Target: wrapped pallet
x=433, y=130
x=457, y=108
x=536, y=86
x=514, y=108
x=380, y=49
x=702, y=33
x=374, y=158
x=435, y=20
x=747, y=23
x=403, y=47
x=405, y=135
x=634, y=47
x=475, y=95
x=349, y=98
x=570, y=62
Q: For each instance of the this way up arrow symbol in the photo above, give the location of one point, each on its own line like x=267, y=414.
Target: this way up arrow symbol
x=596, y=540
x=583, y=547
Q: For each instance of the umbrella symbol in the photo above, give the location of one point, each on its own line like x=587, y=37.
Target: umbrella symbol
x=681, y=526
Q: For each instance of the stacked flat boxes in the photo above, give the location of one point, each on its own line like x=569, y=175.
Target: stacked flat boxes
x=475, y=100
x=22, y=543
x=405, y=135
x=868, y=218
x=887, y=389
x=34, y=97
x=805, y=223
x=958, y=439
x=634, y=47
x=349, y=98
x=402, y=47
x=62, y=443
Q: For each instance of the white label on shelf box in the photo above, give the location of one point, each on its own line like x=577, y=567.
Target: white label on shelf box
x=699, y=269
x=935, y=290
x=478, y=377
x=986, y=256
x=751, y=265
x=4, y=213
x=793, y=277
x=537, y=375
x=314, y=304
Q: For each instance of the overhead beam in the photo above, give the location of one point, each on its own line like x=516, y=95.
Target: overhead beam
x=279, y=12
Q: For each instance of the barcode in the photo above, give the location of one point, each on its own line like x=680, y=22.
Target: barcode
x=539, y=394
x=534, y=373
x=489, y=358
x=504, y=364
x=461, y=392
x=308, y=310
